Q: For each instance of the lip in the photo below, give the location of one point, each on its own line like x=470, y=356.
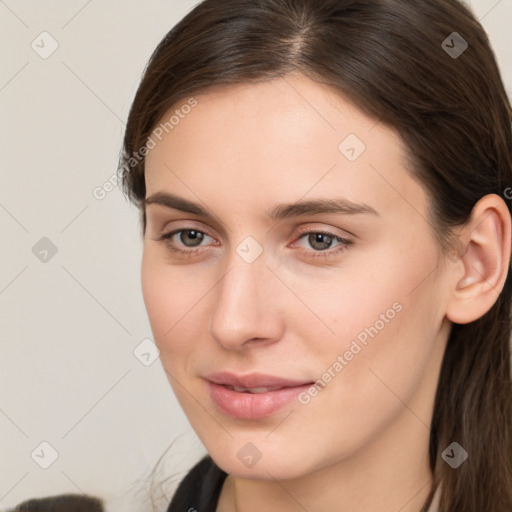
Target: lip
x=253, y=380
x=253, y=406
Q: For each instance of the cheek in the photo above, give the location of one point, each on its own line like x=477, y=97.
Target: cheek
x=172, y=302
x=385, y=329
x=368, y=387
x=158, y=303
x=344, y=305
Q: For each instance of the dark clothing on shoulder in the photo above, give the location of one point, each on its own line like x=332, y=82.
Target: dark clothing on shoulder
x=199, y=491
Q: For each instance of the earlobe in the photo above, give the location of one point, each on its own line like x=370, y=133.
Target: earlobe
x=485, y=261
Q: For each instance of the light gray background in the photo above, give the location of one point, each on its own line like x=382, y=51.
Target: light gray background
x=69, y=326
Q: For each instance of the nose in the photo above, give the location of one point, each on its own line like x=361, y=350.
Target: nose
x=246, y=307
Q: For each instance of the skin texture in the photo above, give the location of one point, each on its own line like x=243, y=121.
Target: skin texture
x=363, y=440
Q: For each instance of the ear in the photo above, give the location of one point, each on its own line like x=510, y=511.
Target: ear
x=483, y=266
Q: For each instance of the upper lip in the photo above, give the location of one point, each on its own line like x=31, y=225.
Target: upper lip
x=253, y=380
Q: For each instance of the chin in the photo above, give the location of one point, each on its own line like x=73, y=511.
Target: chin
x=254, y=461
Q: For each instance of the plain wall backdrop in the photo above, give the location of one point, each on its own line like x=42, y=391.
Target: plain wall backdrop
x=76, y=394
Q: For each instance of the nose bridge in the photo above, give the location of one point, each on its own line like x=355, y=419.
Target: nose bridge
x=242, y=310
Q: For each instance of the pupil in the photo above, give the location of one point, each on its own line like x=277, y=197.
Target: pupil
x=192, y=234
x=318, y=237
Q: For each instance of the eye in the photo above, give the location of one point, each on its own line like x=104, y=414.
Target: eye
x=322, y=241
x=191, y=238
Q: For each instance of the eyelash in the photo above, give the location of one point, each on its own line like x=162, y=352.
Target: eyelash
x=325, y=254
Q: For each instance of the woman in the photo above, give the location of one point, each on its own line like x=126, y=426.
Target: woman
x=327, y=235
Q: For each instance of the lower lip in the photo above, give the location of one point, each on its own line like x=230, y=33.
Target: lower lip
x=253, y=406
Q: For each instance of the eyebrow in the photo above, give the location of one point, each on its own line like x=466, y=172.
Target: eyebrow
x=279, y=211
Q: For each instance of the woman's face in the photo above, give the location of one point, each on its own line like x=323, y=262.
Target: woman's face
x=358, y=307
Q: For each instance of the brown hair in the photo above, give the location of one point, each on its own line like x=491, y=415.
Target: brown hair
x=390, y=58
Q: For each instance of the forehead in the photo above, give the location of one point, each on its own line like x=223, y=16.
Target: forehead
x=286, y=137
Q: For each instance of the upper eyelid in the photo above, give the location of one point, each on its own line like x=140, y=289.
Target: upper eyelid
x=220, y=229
